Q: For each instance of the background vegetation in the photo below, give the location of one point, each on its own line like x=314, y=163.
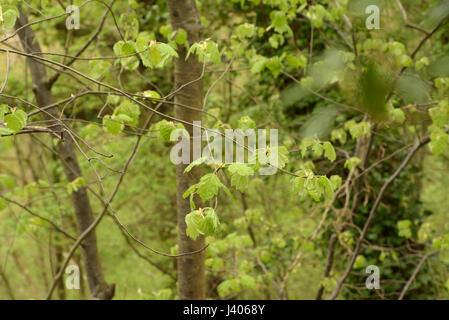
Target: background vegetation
x=363, y=119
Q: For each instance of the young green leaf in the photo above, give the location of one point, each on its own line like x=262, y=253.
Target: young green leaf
x=9, y=18
x=329, y=151
x=112, y=125
x=181, y=36
x=352, y=163
x=239, y=175
x=195, y=163
x=4, y=109
x=16, y=120
x=193, y=221
x=208, y=186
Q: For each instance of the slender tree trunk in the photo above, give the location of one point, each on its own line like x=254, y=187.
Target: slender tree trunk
x=7, y=284
x=59, y=251
x=41, y=265
x=83, y=211
x=26, y=273
x=191, y=278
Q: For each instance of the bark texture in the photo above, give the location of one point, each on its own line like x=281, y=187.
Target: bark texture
x=191, y=278
x=83, y=211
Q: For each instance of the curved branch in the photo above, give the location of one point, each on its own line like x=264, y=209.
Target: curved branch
x=415, y=273
x=372, y=214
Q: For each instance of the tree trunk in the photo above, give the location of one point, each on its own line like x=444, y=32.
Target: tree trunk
x=25, y=273
x=191, y=278
x=7, y=284
x=59, y=255
x=83, y=211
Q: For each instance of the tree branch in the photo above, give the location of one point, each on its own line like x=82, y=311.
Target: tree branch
x=372, y=214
